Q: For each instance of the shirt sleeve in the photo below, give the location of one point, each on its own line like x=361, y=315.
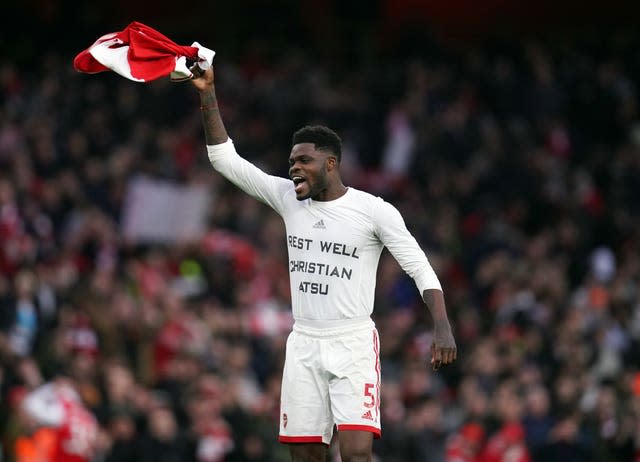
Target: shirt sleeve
x=266, y=188
x=393, y=233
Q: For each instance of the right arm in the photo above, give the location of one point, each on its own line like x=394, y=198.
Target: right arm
x=222, y=154
x=214, y=130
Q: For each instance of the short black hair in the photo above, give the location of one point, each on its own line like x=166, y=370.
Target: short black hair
x=322, y=137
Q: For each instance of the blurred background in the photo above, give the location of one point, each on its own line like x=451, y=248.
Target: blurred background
x=507, y=133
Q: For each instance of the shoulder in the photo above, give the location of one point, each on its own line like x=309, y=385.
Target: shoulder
x=384, y=213
x=375, y=203
x=379, y=211
x=363, y=197
x=367, y=197
x=362, y=203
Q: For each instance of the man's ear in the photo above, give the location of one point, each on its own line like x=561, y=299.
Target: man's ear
x=332, y=162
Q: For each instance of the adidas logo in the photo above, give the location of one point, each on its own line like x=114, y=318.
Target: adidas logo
x=367, y=415
x=320, y=225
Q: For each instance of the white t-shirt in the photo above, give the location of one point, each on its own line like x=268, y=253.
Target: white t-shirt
x=334, y=246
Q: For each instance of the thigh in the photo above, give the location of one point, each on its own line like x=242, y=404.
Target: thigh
x=354, y=388
x=305, y=414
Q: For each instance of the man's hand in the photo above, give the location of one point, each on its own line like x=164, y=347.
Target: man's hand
x=202, y=80
x=443, y=347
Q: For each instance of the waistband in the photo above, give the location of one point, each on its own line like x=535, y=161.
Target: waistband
x=333, y=327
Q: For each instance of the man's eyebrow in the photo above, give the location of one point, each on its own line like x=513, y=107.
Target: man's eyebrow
x=299, y=156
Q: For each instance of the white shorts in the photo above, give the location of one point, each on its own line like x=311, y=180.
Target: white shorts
x=331, y=377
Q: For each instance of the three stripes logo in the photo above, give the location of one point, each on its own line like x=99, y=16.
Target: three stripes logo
x=320, y=225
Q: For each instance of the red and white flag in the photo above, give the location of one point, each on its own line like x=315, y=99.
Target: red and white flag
x=142, y=54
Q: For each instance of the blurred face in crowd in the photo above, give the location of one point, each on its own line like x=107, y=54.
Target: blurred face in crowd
x=607, y=403
x=119, y=382
x=122, y=427
x=509, y=405
x=25, y=283
x=162, y=424
x=6, y=192
x=537, y=401
x=566, y=389
x=309, y=169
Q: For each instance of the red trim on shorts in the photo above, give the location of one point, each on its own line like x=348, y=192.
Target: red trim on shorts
x=363, y=428
x=376, y=349
x=300, y=439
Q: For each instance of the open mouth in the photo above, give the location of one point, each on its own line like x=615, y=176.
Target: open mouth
x=298, y=183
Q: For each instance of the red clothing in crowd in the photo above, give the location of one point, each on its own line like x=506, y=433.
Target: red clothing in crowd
x=506, y=445
x=465, y=446
x=58, y=406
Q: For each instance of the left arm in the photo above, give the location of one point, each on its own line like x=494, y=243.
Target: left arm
x=443, y=347
x=394, y=234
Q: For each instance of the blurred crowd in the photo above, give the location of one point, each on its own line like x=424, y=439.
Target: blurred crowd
x=515, y=164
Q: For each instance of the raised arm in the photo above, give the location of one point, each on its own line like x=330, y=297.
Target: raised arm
x=214, y=130
x=222, y=154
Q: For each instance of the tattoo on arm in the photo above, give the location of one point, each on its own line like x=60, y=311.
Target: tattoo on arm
x=214, y=130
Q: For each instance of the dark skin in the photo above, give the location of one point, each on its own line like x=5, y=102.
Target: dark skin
x=315, y=173
x=316, y=176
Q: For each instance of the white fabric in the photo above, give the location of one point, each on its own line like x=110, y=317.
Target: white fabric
x=44, y=405
x=108, y=52
x=182, y=72
x=330, y=380
x=334, y=246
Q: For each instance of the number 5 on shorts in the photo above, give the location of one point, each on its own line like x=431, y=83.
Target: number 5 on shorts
x=369, y=394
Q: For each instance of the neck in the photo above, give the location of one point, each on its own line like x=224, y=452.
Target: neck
x=331, y=192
